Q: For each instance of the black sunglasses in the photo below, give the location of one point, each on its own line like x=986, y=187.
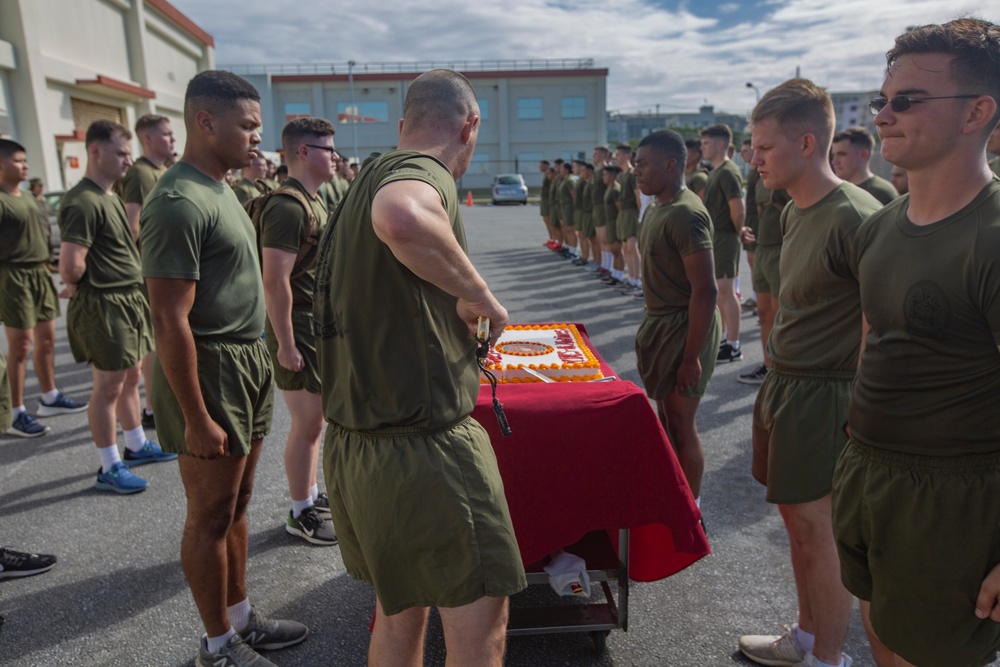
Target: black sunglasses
x=901, y=103
x=329, y=149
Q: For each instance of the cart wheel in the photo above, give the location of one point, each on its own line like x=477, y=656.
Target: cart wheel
x=600, y=639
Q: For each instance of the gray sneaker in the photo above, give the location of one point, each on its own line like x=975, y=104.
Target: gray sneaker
x=234, y=654
x=778, y=650
x=264, y=634
x=312, y=527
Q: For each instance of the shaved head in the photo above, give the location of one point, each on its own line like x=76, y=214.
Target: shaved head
x=439, y=99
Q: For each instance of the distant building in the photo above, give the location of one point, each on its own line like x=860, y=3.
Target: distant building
x=531, y=109
x=851, y=109
x=66, y=63
x=623, y=128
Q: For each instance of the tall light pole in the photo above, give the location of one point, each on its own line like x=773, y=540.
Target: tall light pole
x=756, y=91
x=354, y=106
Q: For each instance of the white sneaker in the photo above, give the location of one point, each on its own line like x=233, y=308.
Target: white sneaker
x=811, y=661
x=776, y=650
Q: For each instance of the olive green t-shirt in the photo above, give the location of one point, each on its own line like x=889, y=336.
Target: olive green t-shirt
x=818, y=325
x=393, y=351
x=245, y=190
x=724, y=183
x=995, y=165
x=597, y=188
x=611, y=197
x=139, y=180
x=696, y=181
x=96, y=220
x=669, y=233
x=930, y=373
x=627, y=187
x=284, y=225
x=546, y=185
x=587, y=197
x=193, y=227
x=24, y=237
x=580, y=186
x=770, y=204
x=881, y=189
x=566, y=188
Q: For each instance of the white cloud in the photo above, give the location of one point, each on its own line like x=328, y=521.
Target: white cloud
x=655, y=56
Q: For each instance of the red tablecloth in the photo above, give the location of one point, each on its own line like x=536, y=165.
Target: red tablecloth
x=589, y=456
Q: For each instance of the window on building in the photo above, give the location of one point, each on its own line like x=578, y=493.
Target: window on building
x=295, y=110
x=529, y=108
x=363, y=112
x=484, y=109
x=529, y=161
x=574, y=107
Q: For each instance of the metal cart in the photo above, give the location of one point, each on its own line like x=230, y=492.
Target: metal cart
x=604, y=566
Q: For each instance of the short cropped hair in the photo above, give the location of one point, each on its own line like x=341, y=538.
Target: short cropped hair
x=148, y=122
x=603, y=149
x=799, y=106
x=104, y=131
x=858, y=136
x=543, y=162
x=8, y=147
x=974, y=45
x=439, y=96
x=624, y=147
x=301, y=130
x=667, y=143
x=215, y=90
x=693, y=145
x=719, y=131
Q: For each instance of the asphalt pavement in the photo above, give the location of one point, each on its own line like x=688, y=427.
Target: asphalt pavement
x=118, y=597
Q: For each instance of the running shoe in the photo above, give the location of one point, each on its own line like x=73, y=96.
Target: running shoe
x=264, y=634
x=150, y=453
x=26, y=426
x=756, y=376
x=120, y=480
x=21, y=564
x=322, y=504
x=776, y=650
x=148, y=420
x=234, y=654
x=311, y=527
x=63, y=405
x=729, y=353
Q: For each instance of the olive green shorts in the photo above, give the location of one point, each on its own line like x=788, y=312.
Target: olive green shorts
x=916, y=536
x=554, y=218
x=305, y=341
x=587, y=228
x=567, y=216
x=597, y=216
x=577, y=217
x=726, y=252
x=659, y=350
x=109, y=328
x=235, y=381
x=766, y=277
x=544, y=207
x=798, y=432
x=611, y=232
x=27, y=296
x=421, y=515
x=627, y=224
x=5, y=407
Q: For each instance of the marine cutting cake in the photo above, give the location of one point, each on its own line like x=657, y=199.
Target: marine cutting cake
x=556, y=351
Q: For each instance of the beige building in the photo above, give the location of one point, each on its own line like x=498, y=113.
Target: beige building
x=531, y=109
x=66, y=63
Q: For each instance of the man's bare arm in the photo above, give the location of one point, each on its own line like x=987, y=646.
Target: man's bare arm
x=170, y=303
x=738, y=212
x=277, y=267
x=700, y=270
x=72, y=265
x=132, y=210
x=409, y=218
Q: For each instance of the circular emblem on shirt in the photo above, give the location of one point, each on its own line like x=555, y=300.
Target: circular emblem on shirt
x=927, y=310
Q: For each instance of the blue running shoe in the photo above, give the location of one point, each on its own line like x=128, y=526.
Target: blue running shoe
x=26, y=426
x=150, y=453
x=120, y=480
x=63, y=405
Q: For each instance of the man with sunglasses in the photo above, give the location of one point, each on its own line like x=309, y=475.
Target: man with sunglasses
x=852, y=153
x=288, y=235
x=915, y=491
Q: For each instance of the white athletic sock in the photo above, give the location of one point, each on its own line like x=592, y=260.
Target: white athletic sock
x=216, y=644
x=50, y=396
x=239, y=615
x=314, y=492
x=574, y=250
x=135, y=439
x=147, y=411
x=109, y=456
x=735, y=344
x=16, y=412
x=618, y=274
x=806, y=639
x=820, y=663
x=300, y=506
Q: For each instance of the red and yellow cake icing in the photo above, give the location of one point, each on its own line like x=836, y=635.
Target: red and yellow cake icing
x=557, y=351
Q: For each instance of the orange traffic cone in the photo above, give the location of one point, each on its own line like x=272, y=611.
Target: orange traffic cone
x=468, y=199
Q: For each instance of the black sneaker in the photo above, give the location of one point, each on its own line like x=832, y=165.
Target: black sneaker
x=756, y=376
x=322, y=505
x=728, y=353
x=20, y=564
x=148, y=420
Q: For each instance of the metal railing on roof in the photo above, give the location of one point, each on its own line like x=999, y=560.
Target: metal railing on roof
x=284, y=69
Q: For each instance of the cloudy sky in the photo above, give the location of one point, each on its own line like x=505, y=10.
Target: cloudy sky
x=672, y=53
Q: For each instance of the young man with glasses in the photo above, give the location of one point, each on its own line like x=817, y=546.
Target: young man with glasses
x=288, y=235
x=915, y=491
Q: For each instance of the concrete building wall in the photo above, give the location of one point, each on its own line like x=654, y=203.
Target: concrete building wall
x=65, y=62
